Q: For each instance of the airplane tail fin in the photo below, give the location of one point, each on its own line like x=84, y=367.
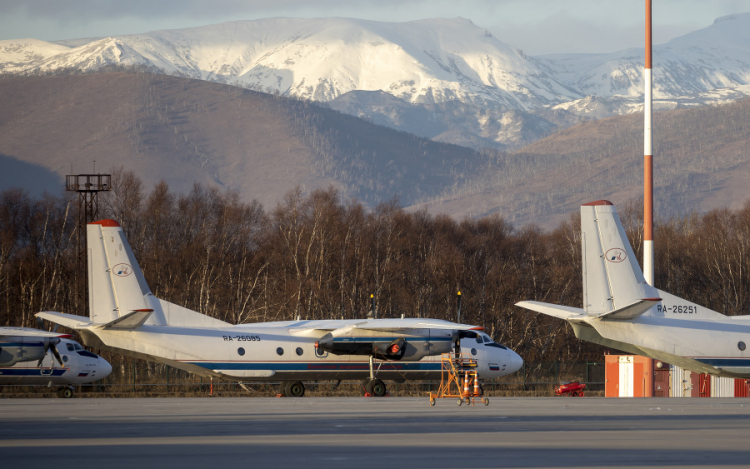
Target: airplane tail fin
x=119, y=297
x=613, y=283
x=117, y=286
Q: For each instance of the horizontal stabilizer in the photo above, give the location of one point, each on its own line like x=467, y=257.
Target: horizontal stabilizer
x=68, y=320
x=631, y=311
x=558, y=311
x=132, y=320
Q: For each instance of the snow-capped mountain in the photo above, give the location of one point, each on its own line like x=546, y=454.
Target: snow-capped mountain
x=320, y=59
x=462, y=84
x=712, y=58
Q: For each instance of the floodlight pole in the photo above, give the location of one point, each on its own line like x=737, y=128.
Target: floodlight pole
x=648, y=163
x=88, y=187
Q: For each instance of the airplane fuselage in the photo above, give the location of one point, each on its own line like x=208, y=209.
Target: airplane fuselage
x=264, y=351
x=719, y=345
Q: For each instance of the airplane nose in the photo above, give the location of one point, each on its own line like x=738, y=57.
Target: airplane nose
x=516, y=362
x=104, y=368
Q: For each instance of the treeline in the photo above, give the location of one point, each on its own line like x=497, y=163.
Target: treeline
x=316, y=256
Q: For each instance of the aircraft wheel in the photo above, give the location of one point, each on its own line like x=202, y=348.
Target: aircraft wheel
x=432, y=401
x=486, y=401
x=377, y=388
x=65, y=393
x=460, y=402
x=294, y=389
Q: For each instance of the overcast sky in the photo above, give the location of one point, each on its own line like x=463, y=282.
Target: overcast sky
x=536, y=26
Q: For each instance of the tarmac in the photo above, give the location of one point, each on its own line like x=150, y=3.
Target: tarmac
x=390, y=432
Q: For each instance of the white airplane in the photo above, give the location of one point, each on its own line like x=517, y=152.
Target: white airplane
x=622, y=311
x=127, y=318
x=28, y=356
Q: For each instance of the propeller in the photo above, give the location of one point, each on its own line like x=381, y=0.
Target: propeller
x=49, y=344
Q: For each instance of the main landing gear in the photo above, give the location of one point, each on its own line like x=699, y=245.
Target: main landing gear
x=373, y=386
x=65, y=392
x=292, y=389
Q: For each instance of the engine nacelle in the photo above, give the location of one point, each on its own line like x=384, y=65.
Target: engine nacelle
x=406, y=349
x=24, y=349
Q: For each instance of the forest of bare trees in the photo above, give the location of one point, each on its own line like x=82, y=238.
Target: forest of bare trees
x=316, y=256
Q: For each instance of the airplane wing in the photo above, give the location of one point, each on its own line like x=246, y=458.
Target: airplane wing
x=414, y=323
x=26, y=332
x=380, y=325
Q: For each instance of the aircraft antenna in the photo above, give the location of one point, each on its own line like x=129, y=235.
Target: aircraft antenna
x=648, y=163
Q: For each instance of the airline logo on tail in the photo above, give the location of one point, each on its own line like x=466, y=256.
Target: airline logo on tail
x=122, y=270
x=616, y=255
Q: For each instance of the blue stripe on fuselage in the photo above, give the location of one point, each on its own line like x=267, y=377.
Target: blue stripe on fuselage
x=30, y=372
x=324, y=366
x=21, y=344
x=390, y=339
x=724, y=362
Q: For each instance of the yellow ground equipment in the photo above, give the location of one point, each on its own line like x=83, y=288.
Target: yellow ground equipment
x=459, y=380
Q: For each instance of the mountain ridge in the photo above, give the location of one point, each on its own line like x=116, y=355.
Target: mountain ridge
x=188, y=131
x=468, y=87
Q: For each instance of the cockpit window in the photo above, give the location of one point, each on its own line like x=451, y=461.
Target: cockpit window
x=85, y=353
x=484, y=338
x=493, y=344
x=78, y=347
x=70, y=347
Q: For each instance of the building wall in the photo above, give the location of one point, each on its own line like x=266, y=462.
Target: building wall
x=617, y=368
x=657, y=379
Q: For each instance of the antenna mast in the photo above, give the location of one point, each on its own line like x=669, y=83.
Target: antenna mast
x=648, y=163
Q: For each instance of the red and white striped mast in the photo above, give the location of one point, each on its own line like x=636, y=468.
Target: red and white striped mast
x=648, y=163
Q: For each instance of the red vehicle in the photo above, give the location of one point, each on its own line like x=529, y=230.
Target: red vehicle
x=574, y=389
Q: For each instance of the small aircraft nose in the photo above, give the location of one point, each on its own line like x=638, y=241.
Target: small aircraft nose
x=515, y=362
x=103, y=368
